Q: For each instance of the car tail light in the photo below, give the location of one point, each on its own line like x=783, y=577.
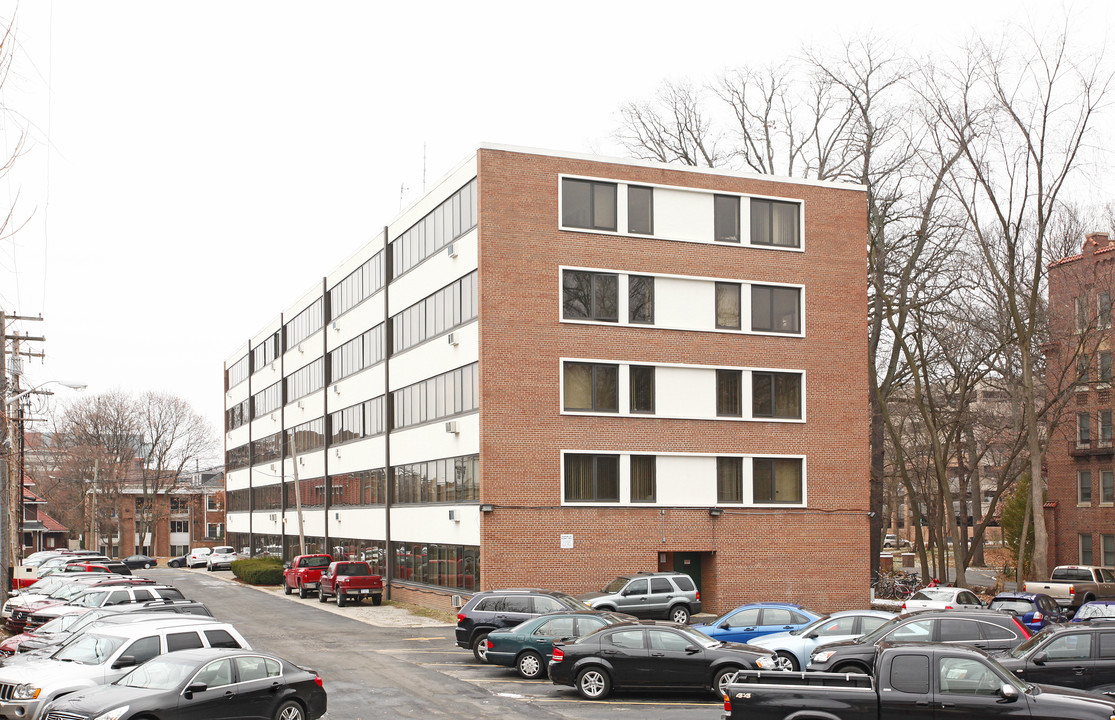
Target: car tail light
x=460, y=617
x=1072, y=589
x=949, y=607
x=1038, y=617
x=558, y=655
x=903, y=606
x=1025, y=631
x=727, y=704
x=318, y=682
x=698, y=594
x=490, y=644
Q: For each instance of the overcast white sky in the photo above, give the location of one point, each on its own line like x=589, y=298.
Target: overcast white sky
x=190, y=169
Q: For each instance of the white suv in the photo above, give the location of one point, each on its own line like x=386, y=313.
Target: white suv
x=103, y=656
x=197, y=557
x=221, y=557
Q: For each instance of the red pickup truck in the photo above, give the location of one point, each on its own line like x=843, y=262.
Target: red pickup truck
x=350, y=580
x=304, y=574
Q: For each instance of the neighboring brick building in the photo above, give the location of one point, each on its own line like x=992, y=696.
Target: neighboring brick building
x=1080, y=460
x=593, y=366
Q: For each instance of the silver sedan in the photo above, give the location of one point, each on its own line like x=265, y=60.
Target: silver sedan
x=793, y=648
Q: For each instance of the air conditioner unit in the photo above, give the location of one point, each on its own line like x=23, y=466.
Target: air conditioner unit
x=451, y=250
x=334, y=325
x=336, y=389
x=451, y=427
x=301, y=406
x=337, y=516
x=301, y=461
x=454, y=516
x=458, y=601
x=274, y=517
x=272, y=466
x=453, y=339
x=337, y=452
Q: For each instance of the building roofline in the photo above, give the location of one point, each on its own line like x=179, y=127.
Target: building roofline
x=855, y=187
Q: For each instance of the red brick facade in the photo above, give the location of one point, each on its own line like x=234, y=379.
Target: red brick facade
x=1083, y=334
x=817, y=554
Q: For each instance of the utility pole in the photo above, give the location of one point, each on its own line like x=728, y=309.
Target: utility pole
x=6, y=572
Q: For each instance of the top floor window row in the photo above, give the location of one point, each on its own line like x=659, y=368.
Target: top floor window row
x=447, y=222
x=361, y=284
x=265, y=353
x=237, y=372
x=304, y=324
x=595, y=205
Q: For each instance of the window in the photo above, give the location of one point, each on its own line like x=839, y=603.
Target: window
x=777, y=480
x=774, y=223
x=257, y=668
x=1104, y=307
x=640, y=210
x=775, y=309
x=1081, y=314
x=642, y=478
x=216, y=674
x=640, y=299
x=592, y=477
x=237, y=372
x=304, y=324
x=143, y=649
x=729, y=393
x=588, y=204
x=1083, y=429
x=1107, y=488
x=558, y=627
x=449, y=480
x=642, y=389
x=726, y=218
x=306, y=437
x=729, y=480
x=964, y=676
x=910, y=674
x=441, y=226
x=776, y=395
x=1105, y=366
x=215, y=530
x=267, y=400
x=591, y=387
x=448, y=308
x=745, y=618
x=265, y=353
x=1082, y=369
x=355, y=355
x=728, y=306
x=590, y=296
x=221, y=639
x=1108, y=549
x=667, y=640
x=1075, y=646
x=629, y=639
x=1085, y=549
x=305, y=380
x=179, y=526
x=445, y=395
x=360, y=284
x=182, y=641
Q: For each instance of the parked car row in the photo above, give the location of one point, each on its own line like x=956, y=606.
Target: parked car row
x=124, y=647
x=344, y=580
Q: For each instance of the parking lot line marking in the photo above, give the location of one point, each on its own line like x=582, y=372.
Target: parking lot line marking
x=620, y=702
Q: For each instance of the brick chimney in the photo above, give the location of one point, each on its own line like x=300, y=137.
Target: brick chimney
x=1094, y=241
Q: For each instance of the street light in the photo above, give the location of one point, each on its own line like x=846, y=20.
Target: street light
x=19, y=396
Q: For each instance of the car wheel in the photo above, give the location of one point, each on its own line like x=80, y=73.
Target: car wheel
x=174, y=564
x=480, y=647
x=290, y=710
x=146, y=566
x=340, y=598
x=530, y=665
x=286, y=588
x=679, y=614
x=593, y=683
x=722, y=678
x=850, y=668
x=321, y=596
x=303, y=592
x=377, y=599
x=208, y=568
x=785, y=661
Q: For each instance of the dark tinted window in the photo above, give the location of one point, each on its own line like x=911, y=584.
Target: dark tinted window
x=143, y=650
x=1107, y=645
x=640, y=210
x=683, y=582
x=558, y=627
x=221, y=639
x=171, y=593
x=726, y=218
x=590, y=296
x=910, y=674
x=660, y=585
x=667, y=640
x=728, y=392
x=588, y=204
x=957, y=630
x=775, y=309
x=585, y=625
x=543, y=604
x=517, y=605
x=118, y=597
x=636, y=587
x=631, y=639
x=992, y=631
x=141, y=595
x=642, y=389
x=183, y=641
x=640, y=299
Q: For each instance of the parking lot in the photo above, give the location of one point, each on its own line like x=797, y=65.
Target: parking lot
x=390, y=664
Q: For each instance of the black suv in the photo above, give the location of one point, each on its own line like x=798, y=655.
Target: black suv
x=988, y=630
x=1077, y=655
x=495, y=609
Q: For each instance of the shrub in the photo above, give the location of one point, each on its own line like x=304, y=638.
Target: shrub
x=259, y=571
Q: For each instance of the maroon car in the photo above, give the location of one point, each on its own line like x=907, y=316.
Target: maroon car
x=350, y=580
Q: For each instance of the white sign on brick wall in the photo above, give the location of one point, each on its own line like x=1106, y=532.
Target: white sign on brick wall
x=567, y=542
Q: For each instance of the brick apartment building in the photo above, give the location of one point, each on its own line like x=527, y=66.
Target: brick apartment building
x=1080, y=460
x=554, y=368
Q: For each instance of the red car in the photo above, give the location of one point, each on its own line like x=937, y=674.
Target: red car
x=304, y=573
x=350, y=580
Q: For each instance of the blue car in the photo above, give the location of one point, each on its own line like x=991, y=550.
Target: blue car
x=1034, y=610
x=1095, y=610
x=757, y=619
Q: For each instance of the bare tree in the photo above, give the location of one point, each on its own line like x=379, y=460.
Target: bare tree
x=673, y=127
x=1020, y=114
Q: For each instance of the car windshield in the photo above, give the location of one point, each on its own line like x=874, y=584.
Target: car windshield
x=1088, y=612
x=1012, y=605
x=88, y=619
x=58, y=624
x=89, y=649
x=570, y=602
x=316, y=561
x=223, y=550
x=811, y=626
x=353, y=569
x=161, y=673
x=69, y=591
x=1036, y=639
x=91, y=599
x=933, y=594
x=616, y=585
x=699, y=638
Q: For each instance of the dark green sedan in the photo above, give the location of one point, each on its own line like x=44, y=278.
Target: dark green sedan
x=527, y=646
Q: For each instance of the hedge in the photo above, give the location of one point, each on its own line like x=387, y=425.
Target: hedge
x=259, y=571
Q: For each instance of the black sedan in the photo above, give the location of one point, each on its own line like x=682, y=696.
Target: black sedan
x=140, y=562
x=202, y=684
x=177, y=562
x=649, y=654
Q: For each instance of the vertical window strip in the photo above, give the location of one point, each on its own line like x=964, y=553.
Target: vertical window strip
x=445, y=395
x=304, y=324
x=357, y=287
x=448, y=308
x=447, y=222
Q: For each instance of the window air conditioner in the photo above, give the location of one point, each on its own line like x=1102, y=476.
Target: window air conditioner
x=453, y=516
x=451, y=427
x=458, y=601
x=274, y=517
x=453, y=339
x=451, y=250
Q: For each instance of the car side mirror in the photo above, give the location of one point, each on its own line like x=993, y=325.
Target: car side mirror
x=725, y=625
x=691, y=649
x=813, y=636
x=625, y=593
x=192, y=688
x=1008, y=693
x=124, y=661
x=287, y=566
x=1040, y=658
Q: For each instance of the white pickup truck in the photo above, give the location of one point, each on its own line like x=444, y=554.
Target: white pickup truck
x=1073, y=585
